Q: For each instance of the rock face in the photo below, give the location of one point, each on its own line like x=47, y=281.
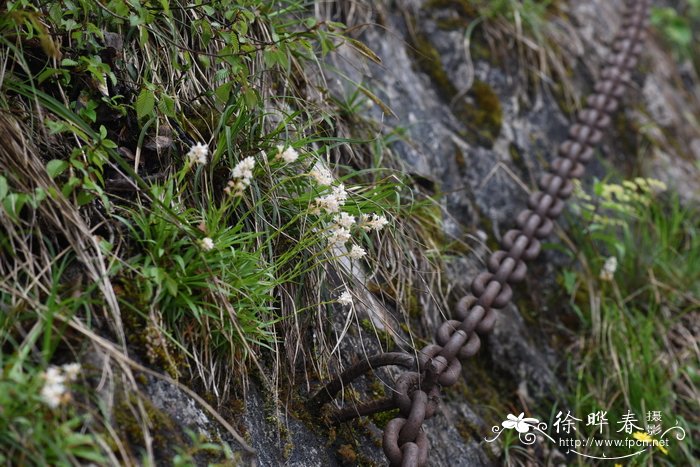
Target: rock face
x=476, y=132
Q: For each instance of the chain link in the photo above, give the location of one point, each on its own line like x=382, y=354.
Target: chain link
x=417, y=391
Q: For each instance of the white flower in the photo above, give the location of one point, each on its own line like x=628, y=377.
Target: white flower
x=54, y=376
x=241, y=175
x=71, y=371
x=244, y=169
x=328, y=203
x=198, y=153
x=609, y=268
x=345, y=298
x=374, y=222
x=340, y=193
x=338, y=236
x=322, y=175
x=288, y=155
x=207, y=244
x=53, y=394
x=520, y=423
x=331, y=202
x=344, y=220
x=357, y=252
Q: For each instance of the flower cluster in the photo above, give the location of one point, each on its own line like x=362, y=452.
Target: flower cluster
x=241, y=176
x=345, y=298
x=372, y=222
x=331, y=202
x=288, y=155
x=609, y=268
x=338, y=236
x=207, y=244
x=357, y=252
x=54, y=391
x=322, y=175
x=344, y=220
x=198, y=154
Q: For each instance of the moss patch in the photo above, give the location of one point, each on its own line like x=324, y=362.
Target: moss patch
x=162, y=428
x=479, y=109
x=382, y=418
x=483, y=114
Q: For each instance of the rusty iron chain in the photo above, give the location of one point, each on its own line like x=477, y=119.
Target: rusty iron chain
x=417, y=390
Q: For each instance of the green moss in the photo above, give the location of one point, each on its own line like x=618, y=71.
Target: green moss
x=462, y=13
x=162, y=428
x=480, y=109
x=376, y=388
x=465, y=429
x=485, y=115
x=288, y=450
x=141, y=333
x=413, y=306
x=428, y=60
x=382, y=418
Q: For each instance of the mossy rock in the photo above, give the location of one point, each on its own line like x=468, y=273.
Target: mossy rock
x=482, y=113
x=479, y=109
x=163, y=429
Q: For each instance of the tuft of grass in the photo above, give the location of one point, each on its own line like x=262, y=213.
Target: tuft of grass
x=637, y=349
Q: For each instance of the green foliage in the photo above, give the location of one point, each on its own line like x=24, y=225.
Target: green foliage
x=199, y=448
x=632, y=307
x=677, y=26
x=33, y=432
x=189, y=285
x=532, y=13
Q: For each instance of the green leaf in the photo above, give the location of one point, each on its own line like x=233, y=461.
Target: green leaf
x=205, y=61
x=171, y=285
x=109, y=144
x=13, y=204
x=145, y=104
x=166, y=105
x=570, y=279
x=85, y=197
x=56, y=167
x=680, y=33
x=223, y=92
x=4, y=187
x=89, y=453
x=251, y=98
